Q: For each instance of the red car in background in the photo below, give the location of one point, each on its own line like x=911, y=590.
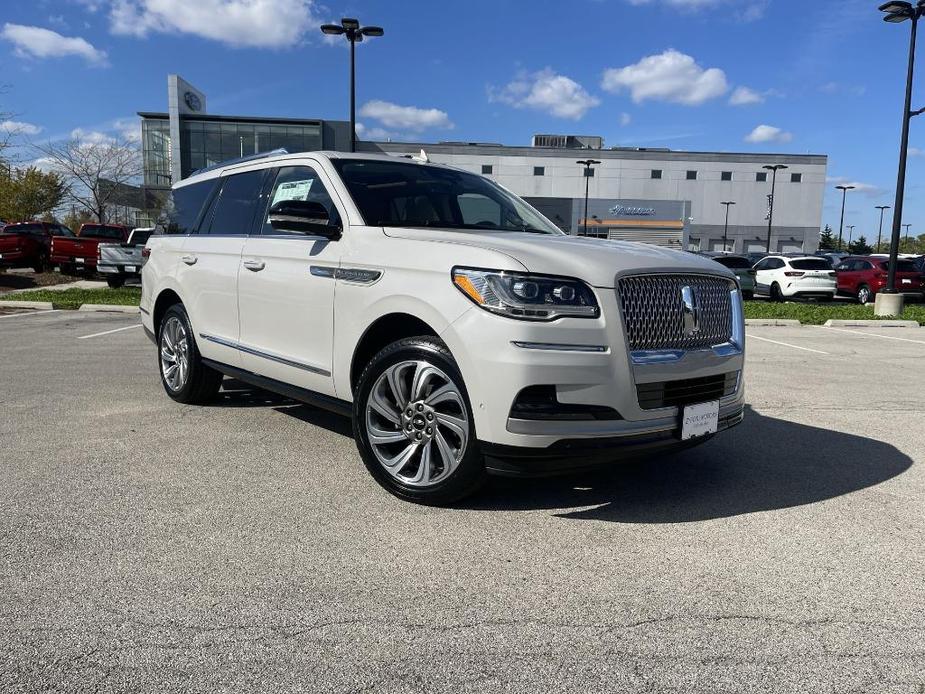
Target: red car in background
x=863, y=276
x=28, y=244
x=79, y=254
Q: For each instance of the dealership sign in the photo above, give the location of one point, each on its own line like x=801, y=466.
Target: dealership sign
x=628, y=211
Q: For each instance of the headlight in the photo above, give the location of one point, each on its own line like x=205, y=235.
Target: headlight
x=526, y=296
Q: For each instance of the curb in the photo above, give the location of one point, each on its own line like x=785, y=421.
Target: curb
x=872, y=323
x=38, y=305
x=108, y=308
x=775, y=322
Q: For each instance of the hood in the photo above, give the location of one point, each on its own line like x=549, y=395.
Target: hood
x=596, y=261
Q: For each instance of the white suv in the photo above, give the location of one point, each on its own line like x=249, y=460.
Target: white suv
x=461, y=330
x=808, y=277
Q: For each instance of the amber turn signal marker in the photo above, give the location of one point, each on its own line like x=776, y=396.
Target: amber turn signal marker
x=465, y=284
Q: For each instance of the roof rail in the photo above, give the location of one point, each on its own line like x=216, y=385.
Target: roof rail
x=241, y=160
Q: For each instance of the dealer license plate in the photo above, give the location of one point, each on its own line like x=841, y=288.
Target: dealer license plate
x=79, y=261
x=907, y=281
x=701, y=419
x=130, y=268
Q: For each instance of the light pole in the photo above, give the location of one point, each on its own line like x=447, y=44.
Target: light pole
x=588, y=164
x=906, y=227
x=841, y=225
x=850, y=235
x=354, y=32
x=897, y=12
x=726, y=224
x=773, y=169
x=880, y=233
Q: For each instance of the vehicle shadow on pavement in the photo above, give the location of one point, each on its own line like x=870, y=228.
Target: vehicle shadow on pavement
x=235, y=393
x=763, y=464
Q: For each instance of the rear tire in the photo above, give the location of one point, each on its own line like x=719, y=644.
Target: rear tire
x=864, y=295
x=775, y=293
x=184, y=376
x=413, y=423
x=115, y=282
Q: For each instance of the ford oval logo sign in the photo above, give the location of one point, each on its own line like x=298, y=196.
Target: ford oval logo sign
x=192, y=101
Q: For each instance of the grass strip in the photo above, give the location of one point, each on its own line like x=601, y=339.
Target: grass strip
x=74, y=298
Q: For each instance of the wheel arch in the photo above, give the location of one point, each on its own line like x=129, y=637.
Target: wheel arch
x=383, y=331
x=165, y=299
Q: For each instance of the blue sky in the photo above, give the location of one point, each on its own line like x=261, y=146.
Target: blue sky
x=728, y=75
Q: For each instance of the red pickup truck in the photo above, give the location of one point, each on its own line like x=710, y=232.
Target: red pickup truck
x=79, y=254
x=28, y=244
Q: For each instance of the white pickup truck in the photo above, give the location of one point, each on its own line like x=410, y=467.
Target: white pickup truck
x=460, y=329
x=120, y=261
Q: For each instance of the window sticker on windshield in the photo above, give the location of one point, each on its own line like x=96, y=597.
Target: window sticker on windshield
x=293, y=190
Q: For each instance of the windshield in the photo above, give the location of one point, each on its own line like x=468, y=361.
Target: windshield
x=405, y=194
x=734, y=263
x=95, y=231
x=901, y=266
x=810, y=264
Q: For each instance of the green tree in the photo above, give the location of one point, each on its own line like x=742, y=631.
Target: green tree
x=75, y=217
x=827, y=239
x=30, y=193
x=859, y=246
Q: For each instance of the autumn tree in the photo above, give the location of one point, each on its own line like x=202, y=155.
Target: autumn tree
x=96, y=170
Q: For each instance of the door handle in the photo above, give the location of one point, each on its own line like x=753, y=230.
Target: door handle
x=189, y=259
x=254, y=265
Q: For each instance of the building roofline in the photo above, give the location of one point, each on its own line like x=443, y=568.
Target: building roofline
x=621, y=153
x=234, y=119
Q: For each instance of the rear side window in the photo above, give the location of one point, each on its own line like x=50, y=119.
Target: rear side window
x=236, y=205
x=734, y=263
x=901, y=266
x=100, y=231
x=23, y=228
x=184, y=206
x=61, y=231
x=810, y=264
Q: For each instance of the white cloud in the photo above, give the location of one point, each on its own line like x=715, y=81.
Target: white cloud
x=407, y=117
x=747, y=12
x=669, y=76
x=768, y=133
x=238, y=23
x=866, y=189
x=840, y=88
x=546, y=91
x=366, y=133
x=625, y=119
x=15, y=127
x=129, y=129
x=743, y=96
x=36, y=42
x=916, y=152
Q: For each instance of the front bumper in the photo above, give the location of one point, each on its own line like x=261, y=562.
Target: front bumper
x=495, y=370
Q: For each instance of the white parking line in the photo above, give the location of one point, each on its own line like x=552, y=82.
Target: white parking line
x=787, y=344
x=31, y=313
x=885, y=337
x=109, y=332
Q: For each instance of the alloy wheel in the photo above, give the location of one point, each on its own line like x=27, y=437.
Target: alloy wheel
x=174, y=350
x=863, y=295
x=417, y=423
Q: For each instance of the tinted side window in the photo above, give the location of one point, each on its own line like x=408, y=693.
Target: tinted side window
x=299, y=183
x=236, y=204
x=775, y=264
x=184, y=205
x=475, y=209
x=761, y=265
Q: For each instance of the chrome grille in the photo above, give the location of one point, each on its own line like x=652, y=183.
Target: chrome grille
x=653, y=311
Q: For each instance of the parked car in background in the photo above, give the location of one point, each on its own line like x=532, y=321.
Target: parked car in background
x=461, y=329
x=863, y=276
x=740, y=266
x=755, y=257
x=806, y=277
x=28, y=244
x=121, y=261
x=834, y=257
x=79, y=254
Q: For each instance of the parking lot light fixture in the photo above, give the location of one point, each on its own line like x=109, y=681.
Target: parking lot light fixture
x=351, y=29
x=726, y=223
x=850, y=234
x=773, y=169
x=898, y=11
x=589, y=166
x=841, y=224
x=880, y=232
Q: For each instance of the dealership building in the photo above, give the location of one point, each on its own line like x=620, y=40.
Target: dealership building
x=654, y=195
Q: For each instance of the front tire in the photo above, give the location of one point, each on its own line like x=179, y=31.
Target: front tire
x=775, y=293
x=183, y=374
x=413, y=423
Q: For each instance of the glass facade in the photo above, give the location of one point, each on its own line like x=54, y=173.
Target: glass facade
x=155, y=137
x=204, y=143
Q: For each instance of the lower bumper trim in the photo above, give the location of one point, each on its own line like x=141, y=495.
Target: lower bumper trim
x=570, y=455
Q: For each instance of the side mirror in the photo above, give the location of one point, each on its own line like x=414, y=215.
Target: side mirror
x=303, y=217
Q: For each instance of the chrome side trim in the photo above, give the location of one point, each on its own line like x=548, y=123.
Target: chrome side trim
x=734, y=346
x=264, y=355
x=354, y=275
x=553, y=347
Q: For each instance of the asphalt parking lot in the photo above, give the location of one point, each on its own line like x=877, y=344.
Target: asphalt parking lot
x=149, y=546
